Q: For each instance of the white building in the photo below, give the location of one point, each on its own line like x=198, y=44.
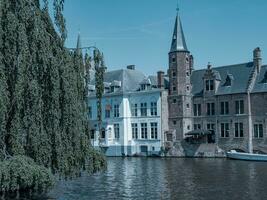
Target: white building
x=134, y=113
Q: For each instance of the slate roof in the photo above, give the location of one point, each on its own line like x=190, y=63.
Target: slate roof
x=261, y=82
x=239, y=73
x=128, y=80
x=178, y=38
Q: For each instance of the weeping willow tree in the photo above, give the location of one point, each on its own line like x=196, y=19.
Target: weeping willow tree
x=43, y=101
x=99, y=82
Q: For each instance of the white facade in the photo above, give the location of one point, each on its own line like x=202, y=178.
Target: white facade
x=131, y=123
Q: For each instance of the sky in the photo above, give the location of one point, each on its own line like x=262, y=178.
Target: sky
x=139, y=32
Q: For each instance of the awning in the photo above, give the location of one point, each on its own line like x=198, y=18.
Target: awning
x=199, y=132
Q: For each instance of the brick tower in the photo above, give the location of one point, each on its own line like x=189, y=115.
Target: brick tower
x=180, y=95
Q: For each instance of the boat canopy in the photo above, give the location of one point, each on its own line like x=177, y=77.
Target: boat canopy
x=198, y=132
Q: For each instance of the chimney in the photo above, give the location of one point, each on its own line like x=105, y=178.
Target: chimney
x=257, y=60
x=131, y=67
x=160, y=79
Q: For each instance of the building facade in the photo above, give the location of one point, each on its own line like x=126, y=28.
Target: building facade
x=217, y=105
x=134, y=113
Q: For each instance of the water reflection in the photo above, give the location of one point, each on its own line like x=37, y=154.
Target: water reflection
x=170, y=178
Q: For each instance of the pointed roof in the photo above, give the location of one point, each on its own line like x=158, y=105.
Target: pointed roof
x=178, y=39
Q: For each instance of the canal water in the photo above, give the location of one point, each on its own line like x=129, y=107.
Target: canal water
x=170, y=178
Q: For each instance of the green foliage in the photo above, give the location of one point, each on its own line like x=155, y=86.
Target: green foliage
x=43, y=101
x=99, y=77
x=98, y=161
x=21, y=173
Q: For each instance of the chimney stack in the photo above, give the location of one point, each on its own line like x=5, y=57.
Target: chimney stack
x=131, y=67
x=160, y=79
x=257, y=60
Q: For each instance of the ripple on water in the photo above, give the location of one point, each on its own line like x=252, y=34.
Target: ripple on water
x=170, y=178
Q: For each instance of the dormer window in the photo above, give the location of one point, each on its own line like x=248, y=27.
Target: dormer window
x=229, y=80
x=145, y=84
x=143, y=87
x=106, y=87
x=115, y=86
x=209, y=85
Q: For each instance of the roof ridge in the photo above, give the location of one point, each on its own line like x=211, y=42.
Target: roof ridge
x=225, y=66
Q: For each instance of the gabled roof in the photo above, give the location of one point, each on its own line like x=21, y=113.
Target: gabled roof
x=178, y=38
x=241, y=72
x=260, y=84
x=129, y=80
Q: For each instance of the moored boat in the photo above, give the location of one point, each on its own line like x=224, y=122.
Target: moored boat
x=246, y=156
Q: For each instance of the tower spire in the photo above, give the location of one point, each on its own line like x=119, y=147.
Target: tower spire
x=178, y=38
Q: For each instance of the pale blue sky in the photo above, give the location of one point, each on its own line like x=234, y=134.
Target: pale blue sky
x=139, y=32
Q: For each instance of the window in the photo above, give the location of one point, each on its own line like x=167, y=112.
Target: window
x=143, y=109
x=187, y=105
x=174, y=122
x=116, y=110
x=228, y=81
x=187, y=73
x=197, y=109
x=239, y=131
x=225, y=130
x=154, y=130
x=134, y=110
x=173, y=73
x=224, y=108
x=90, y=112
x=211, y=127
x=173, y=59
x=117, y=131
x=209, y=85
x=210, y=109
x=174, y=101
x=239, y=107
x=143, y=87
x=258, y=130
x=103, y=133
x=197, y=126
x=188, y=127
x=144, y=130
x=107, y=113
x=153, y=109
x=92, y=134
x=187, y=88
x=134, y=131
x=174, y=88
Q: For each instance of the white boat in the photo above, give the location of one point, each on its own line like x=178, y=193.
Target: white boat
x=246, y=156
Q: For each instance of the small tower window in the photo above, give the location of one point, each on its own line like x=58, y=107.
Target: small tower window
x=173, y=59
x=174, y=101
x=174, y=88
x=187, y=88
x=187, y=105
x=174, y=73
